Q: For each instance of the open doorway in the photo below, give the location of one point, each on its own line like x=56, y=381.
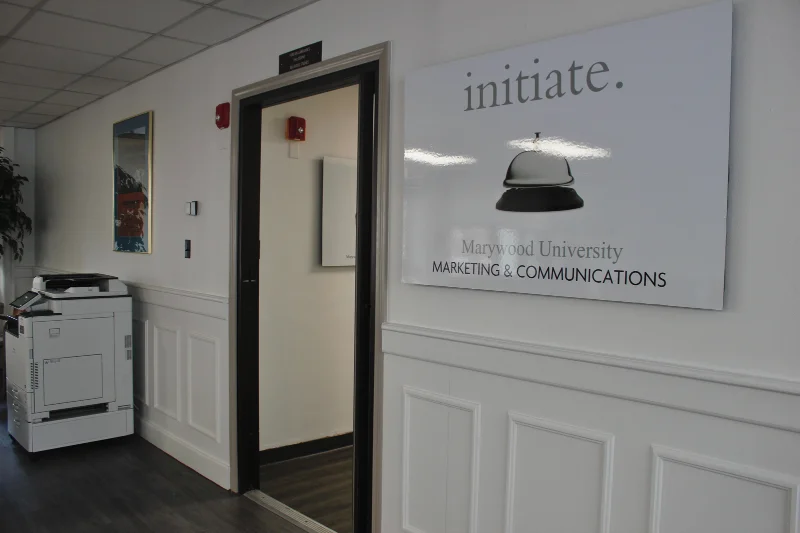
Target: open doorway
x=307, y=306
x=296, y=378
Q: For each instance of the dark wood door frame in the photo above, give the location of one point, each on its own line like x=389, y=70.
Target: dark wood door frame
x=367, y=69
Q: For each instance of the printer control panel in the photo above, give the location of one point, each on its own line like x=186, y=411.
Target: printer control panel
x=25, y=302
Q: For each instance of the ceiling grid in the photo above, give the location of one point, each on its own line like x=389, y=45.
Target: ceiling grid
x=59, y=55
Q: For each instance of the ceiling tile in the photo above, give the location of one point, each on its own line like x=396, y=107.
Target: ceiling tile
x=8, y=104
x=144, y=15
x=4, y=115
x=22, y=92
x=15, y=124
x=126, y=69
x=101, y=86
x=71, y=98
x=163, y=50
x=50, y=57
x=34, y=76
x=27, y=3
x=52, y=109
x=211, y=26
x=47, y=28
x=32, y=118
x=262, y=9
x=10, y=16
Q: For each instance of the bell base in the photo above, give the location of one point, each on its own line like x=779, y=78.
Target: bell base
x=539, y=200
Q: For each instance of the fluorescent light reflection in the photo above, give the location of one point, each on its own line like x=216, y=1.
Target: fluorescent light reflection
x=436, y=159
x=560, y=148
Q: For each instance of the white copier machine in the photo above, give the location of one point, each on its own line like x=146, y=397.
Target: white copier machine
x=69, y=361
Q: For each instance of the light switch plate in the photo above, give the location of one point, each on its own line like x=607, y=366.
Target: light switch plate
x=191, y=208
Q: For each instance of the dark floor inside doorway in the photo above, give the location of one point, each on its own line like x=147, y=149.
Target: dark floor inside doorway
x=318, y=486
x=123, y=486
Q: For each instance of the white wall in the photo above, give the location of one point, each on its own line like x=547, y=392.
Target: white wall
x=20, y=147
x=192, y=161
x=306, y=331
x=6, y=262
x=703, y=382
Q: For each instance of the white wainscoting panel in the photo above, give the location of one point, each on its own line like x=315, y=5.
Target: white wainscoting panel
x=560, y=432
x=141, y=372
x=558, y=473
x=181, y=386
x=441, y=450
x=186, y=376
x=692, y=492
x=166, y=352
x=203, y=368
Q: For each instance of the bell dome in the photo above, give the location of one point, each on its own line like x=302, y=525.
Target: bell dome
x=538, y=182
x=538, y=169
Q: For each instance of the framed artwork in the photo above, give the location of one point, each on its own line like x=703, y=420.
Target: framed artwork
x=133, y=183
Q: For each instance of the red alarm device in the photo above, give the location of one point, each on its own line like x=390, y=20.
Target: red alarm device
x=296, y=129
x=223, y=116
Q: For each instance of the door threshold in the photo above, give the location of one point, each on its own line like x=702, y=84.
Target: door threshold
x=286, y=512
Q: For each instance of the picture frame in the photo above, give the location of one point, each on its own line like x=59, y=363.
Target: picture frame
x=133, y=184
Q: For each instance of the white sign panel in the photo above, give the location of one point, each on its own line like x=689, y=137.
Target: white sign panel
x=590, y=166
x=339, y=180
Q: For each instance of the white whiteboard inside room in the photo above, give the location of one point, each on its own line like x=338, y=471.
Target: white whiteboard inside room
x=339, y=177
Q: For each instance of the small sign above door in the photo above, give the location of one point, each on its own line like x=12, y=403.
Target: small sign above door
x=302, y=57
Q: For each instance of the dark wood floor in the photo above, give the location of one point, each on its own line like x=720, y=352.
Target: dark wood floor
x=319, y=486
x=117, y=486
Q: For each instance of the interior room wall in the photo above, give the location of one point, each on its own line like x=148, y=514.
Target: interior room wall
x=605, y=385
x=6, y=282
x=306, y=313
x=20, y=146
x=192, y=160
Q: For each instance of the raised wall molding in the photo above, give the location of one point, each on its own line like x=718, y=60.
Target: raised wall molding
x=605, y=440
x=193, y=302
x=474, y=409
x=663, y=455
x=180, y=292
x=143, y=352
x=158, y=377
x=192, y=387
x=187, y=386
x=761, y=400
x=726, y=377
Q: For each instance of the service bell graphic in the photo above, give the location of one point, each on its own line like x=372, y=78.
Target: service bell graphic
x=537, y=182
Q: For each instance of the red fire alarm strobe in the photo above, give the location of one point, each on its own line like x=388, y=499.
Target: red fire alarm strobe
x=296, y=129
x=223, y=116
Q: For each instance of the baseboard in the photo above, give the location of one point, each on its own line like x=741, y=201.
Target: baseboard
x=303, y=449
x=188, y=454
